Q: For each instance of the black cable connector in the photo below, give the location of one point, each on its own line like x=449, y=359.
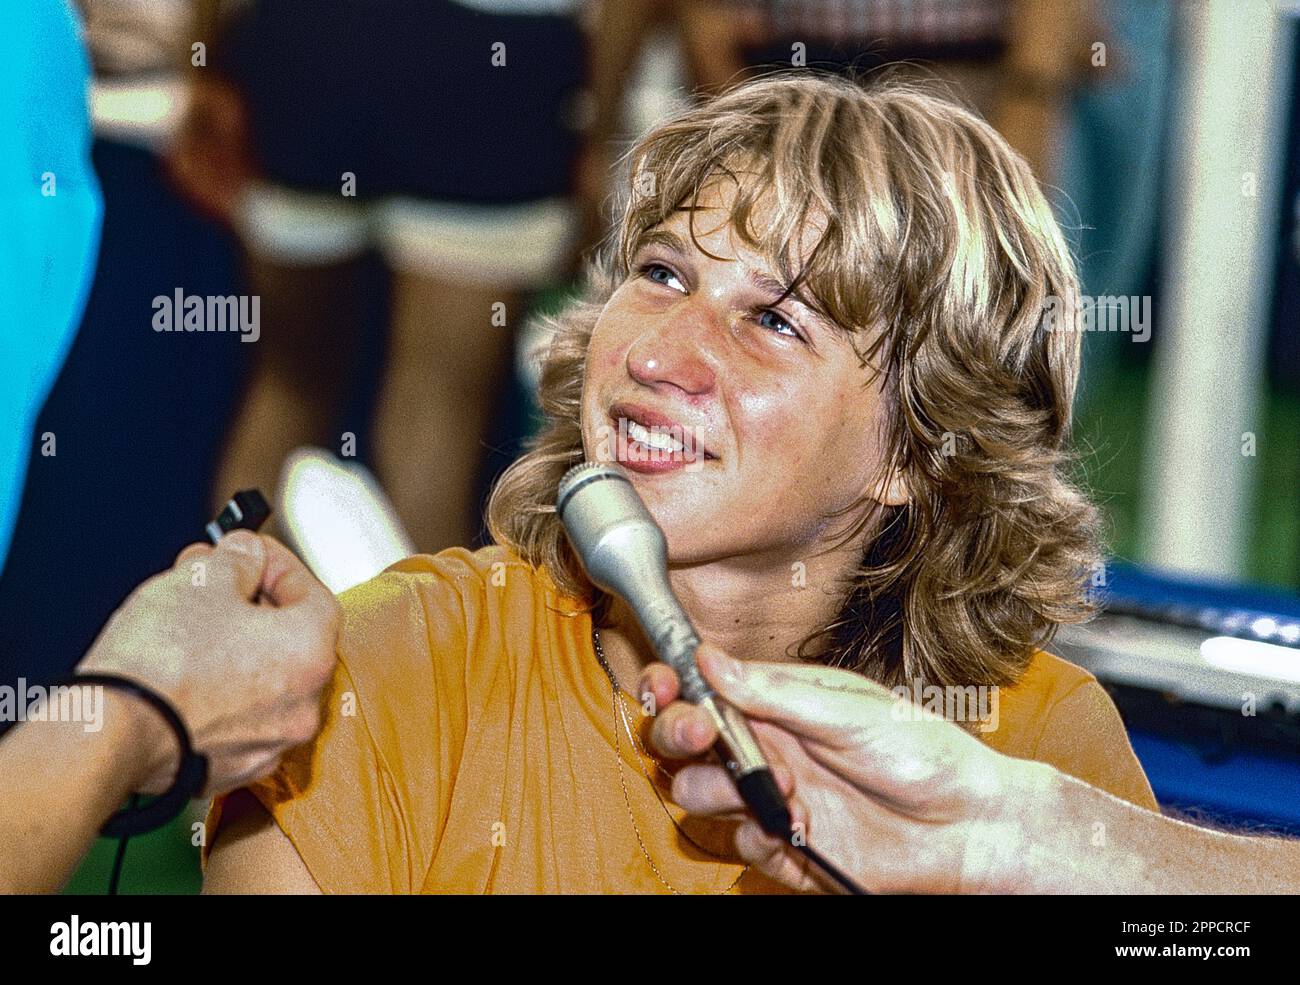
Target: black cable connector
x=760, y=792
x=247, y=510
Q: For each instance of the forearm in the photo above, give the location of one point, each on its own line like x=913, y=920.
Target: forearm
x=710, y=34
x=1047, y=44
x=1082, y=840
x=59, y=782
x=252, y=856
x=207, y=18
x=618, y=31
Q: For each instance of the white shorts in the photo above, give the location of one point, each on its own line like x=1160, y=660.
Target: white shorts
x=521, y=246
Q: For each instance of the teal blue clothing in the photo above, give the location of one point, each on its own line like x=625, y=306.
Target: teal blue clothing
x=50, y=212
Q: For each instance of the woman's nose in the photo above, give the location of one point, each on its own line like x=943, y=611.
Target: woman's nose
x=674, y=354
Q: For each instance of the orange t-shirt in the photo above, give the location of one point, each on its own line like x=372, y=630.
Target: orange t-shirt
x=469, y=747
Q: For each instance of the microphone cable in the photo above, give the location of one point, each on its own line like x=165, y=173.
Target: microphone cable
x=762, y=795
x=120, y=855
x=827, y=867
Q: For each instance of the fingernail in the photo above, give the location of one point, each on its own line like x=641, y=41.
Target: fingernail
x=728, y=671
x=241, y=542
x=682, y=733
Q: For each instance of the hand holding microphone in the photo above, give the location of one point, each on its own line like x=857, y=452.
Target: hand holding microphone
x=624, y=552
x=922, y=807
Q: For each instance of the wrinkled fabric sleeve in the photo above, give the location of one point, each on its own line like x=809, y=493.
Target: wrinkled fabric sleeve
x=364, y=803
x=1085, y=737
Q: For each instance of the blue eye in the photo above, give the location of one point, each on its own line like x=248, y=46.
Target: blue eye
x=773, y=320
x=660, y=274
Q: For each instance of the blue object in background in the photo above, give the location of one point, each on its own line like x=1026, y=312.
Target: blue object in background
x=1230, y=786
x=140, y=417
x=1247, y=791
x=50, y=211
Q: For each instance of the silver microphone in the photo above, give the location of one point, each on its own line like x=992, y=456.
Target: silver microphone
x=624, y=552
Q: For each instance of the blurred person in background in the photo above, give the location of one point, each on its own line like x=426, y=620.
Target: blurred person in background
x=441, y=134
x=1015, y=61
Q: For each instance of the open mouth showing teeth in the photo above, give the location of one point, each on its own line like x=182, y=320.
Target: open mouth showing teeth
x=661, y=439
x=644, y=438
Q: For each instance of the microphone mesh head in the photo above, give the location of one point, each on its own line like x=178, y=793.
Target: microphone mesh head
x=618, y=542
x=581, y=475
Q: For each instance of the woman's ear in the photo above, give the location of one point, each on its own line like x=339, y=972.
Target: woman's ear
x=892, y=490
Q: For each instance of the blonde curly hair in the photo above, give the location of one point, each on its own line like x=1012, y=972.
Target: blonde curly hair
x=937, y=251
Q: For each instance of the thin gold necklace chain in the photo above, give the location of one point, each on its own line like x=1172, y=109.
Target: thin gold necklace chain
x=620, y=711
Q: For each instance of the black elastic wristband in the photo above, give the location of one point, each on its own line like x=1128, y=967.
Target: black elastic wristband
x=191, y=774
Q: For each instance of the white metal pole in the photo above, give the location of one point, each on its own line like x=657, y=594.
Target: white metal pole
x=1224, y=193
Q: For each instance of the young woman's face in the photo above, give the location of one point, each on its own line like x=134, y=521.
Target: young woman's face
x=779, y=425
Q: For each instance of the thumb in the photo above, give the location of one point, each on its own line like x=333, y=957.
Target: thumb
x=237, y=563
x=823, y=703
